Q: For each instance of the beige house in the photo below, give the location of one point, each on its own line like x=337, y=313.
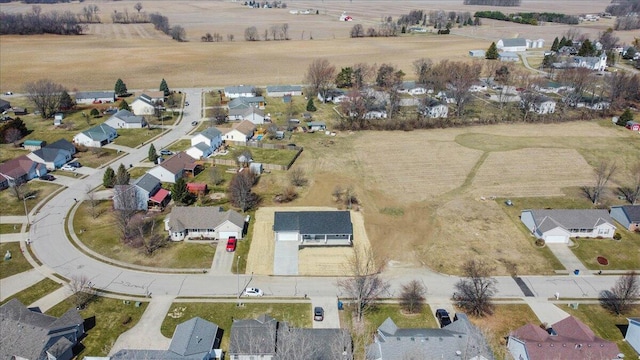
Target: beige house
x=241, y=132
x=210, y=222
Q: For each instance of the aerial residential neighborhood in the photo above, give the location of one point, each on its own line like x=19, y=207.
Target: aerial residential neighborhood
x=320, y=180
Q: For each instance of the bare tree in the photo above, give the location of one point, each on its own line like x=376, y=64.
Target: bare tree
x=602, y=174
x=240, y=191
x=353, y=109
x=350, y=197
x=357, y=31
x=362, y=74
x=475, y=290
x=365, y=285
x=178, y=33
x=20, y=189
x=138, y=6
x=45, y=95
x=81, y=291
x=422, y=68
x=337, y=193
x=622, y=295
x=298, y=177
x=632, y=191
x=217, y=175
x=125, y=203
x=412, y=297
x=320, y=76
x=251, y=34
x=12, y=135
x=93, y=202
x=457, y=77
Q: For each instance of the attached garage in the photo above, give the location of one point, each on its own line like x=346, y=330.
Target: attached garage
x=556, y=239
x=287, y=236
x=228, y=234
x=314, y=228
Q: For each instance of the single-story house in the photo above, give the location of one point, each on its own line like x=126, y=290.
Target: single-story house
x=335, y=96
x=96, y=136
x=156, y=96
x=63, y=144
x=568, y=50
x=4, y=105
x=57, y=119
x=317, y=126
x=21, y=169
x=627, y=215
x=632, y=125
x=541, y=105
x=508, y=56
x=33, y=144
x=233, y=92
x=30, y=334
x=282, y=90
x=52, y=156
x=251, y=113
x=241, y=132
x=512, y=45
x=125, y=119
x=144, y=105
x=95, y=97
x=477, y=53
x=435, y=109
x=146, y=192
x=568, y=339
x=309, y=228
x=175, y=167
x=633, y=333
x=375, y=114
x=458, y=340
x=245, y=102
x=557, y=226
x=199, y=151
x=210, y=222
x=193, y=339
x=197, y=188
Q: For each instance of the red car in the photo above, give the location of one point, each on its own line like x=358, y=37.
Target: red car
x=231, y=244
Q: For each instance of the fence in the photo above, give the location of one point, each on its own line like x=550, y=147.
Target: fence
x=228, y=162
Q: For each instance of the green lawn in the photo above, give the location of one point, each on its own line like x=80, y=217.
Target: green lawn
x=101, y=236
x=222, y=314
x=623, y=254
x=135, y=137
x=112, y=318
x=243, y=247
x=136, y=172
x=605, y=324
x=29, y=295
x=12, y=206
x=73, y=123
x=18, y=262
x=261, y=155
x=205, y=177
x=179, y=145
x=8, y=152
x=381, y=312
x=10, y=228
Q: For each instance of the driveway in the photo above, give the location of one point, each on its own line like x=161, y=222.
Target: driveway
x=547, y=312
x=331, y=316
x=568, y=258
x=222, y=260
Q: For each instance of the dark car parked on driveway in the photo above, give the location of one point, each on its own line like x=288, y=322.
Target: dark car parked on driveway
x=318, y=313
x=47, y=177
x=443, y=317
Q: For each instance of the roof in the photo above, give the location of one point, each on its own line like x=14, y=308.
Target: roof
x=211, y=133
x=246, y=127
x=146, y=99
x=316, y=123
x=127, y=116
x=507, y=54
x=160, y=195
x=314, y=222
x=632, y=212
x=514, y=42
x=254, y=336
x=48, y=154
x=100, y=132
x=179, y=162
x=202, y=147
x=574, y=341
x=16, y=167
x=64, y=145
x=316, y=344
x=569, y=219
x=155, y=94
x=284, y=88
x=33, y=142
x=147, y=182
x=246, y=111
x=239, y=89
x=95, y=95
x=206, y=217
x=196, y=186
x=245, y=101
x=194, y=336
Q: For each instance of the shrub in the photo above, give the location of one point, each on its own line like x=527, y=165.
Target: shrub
x=617, y=236
x=126, y=319
x=540, y=242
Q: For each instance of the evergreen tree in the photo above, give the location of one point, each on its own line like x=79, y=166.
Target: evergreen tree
x=563, y=42
x=66, y=102
x=180, y=194
x=555, y=45
x=345, y=78
x=94, y=112
x=122, y=176
x=164, y=87
x=626, y=116
x=109, y=178
x=120, y=88
x=153, y=155
x=587, y=49
x=492, y=52
x=123, y=105
x=310, y=105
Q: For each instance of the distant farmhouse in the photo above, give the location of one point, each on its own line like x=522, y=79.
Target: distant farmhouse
x=95, y=97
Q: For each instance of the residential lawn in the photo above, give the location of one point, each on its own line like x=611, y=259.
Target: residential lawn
x=73, y=123
x=136, y=172
x=10, y=228
x=112, y=318
x=623, y=254
x=12, y=206
x=96, y=157
x=101, y=235
x=209, y=96
x=205, y=177
x=135, y=137
x=506, y=318
x=29, y=295
x=222, y=314
x=242, y=249
x=8, y=152
x=606, y=325
x=168, y=118
x=261, y=155
x=18, y=262
x=60, y=172
x=179, y=145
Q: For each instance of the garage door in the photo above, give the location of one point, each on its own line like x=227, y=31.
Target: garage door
x=555, y=239
x=287, y=236
x=227, y=234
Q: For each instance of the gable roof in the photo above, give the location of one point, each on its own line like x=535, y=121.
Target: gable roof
x=17, y=167
x=147, y=182
x=127, y=116
x=179, y=162
x=254, y=336
x=313, y=222
x=244, y=102
x=100, y=132
x=145, y=99
x=316, y=344
x=202, y=147
x=49, y=154
x=245, y=127
x=4, y=104
x=63, y=144
x=211, y=133
x=284, y=88
x=206, y=217
x=239, y=89
x=153, y=94
x=514, y=42
x=194, y=337
x=569, y=218
x=95, y=95
x=632, y=212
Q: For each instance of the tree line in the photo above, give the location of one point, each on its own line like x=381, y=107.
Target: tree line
x=493, y=2
x=36, y=22
x=161, y=22
x=531, y=18
x=275, y=32
x=623, y=7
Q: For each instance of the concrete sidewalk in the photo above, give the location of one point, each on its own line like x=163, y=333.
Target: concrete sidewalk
x=12, y=219
x=50, y=300
x=545, y=311
x=15, y=237
x=146, y=334
x=18, y=282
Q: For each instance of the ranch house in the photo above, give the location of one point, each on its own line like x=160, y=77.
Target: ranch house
x=95, y=97
x=314, y=228
x=627, y=215
x=210, y=222
x=557, y=226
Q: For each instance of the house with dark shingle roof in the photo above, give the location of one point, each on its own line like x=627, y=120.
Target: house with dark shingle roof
x=146, y=192
x=627, y=215
x=95, y=97
x=314, y=228
x=282, y=90
x=210, y=222
x=458, y=340
x=557, y=226
x=233, y=92
x=29, y=334
x=4, y=105
x=96, y=136
x=194, y=339
x=245, y=102
x=568, y=339
x=54, y=155
x=21, y=169
x=175, y=167
x=125, y=119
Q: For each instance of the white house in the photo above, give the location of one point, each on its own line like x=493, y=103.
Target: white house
x=246, y=102
x=96, y=136
x=124, y=119
x=335, y=96
x=241, y=132
x=57, y=119
x=199, y=151
x=557, y=226
x=233, y=92
x=210, y=222
x=314, y=228
x=176, y=167
x=144, y=105
x=212, y=137
x=375, y=114
x=541, y=105
x=435, y=109
x=595, y=63
x=317, y=126
x=95, y=97
x=633, y=334
x=282, y=90
x=477, y=53
x=515, y=44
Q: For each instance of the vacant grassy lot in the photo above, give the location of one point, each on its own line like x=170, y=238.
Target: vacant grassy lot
x=606, y=325
x=112, y=318
x=222, y=314
x=18, y=262
x=135, y=137
x=8, y=152
x=96, y=157
x=101, y=236
x=29, y=295
x=262, y=155
x=623, y=254
x=12, y=206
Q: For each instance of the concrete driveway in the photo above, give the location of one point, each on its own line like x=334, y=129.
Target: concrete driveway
x=331, y=316
x=222, y=260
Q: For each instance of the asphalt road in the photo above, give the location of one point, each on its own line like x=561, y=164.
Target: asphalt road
x=54, y=250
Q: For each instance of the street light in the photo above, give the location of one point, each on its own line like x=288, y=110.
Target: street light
x=24, y=201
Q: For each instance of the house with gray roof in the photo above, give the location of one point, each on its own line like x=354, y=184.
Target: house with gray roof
x=4, y=105
x=282, y=90
x=246, y=101
x=314, y=228
x=95, y=97
x=557, y=226
x=145, y=105
x=627, y=215
x=205, y=143
x=194, y=339
x=250, y=113
x=632, y=337
x=29, y=334
x=233, y=92
x=458, y=340
x=434, y=109
x=514, y=44
x=147, y=192
x=206, y=222
x=508, y=56
x=52, y=158
x=21, y=169
x=125, y=119
x=97, y=136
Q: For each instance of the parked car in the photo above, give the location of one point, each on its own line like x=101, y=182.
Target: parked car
x=47, y=177
x=186, y=103
x=67, y=167
x=252, y=292
x=8, y=93
x=166, y=152
x=231, y=244
x=318, y=313
x=194, y=123
x=443, y=317
x=75, y=164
